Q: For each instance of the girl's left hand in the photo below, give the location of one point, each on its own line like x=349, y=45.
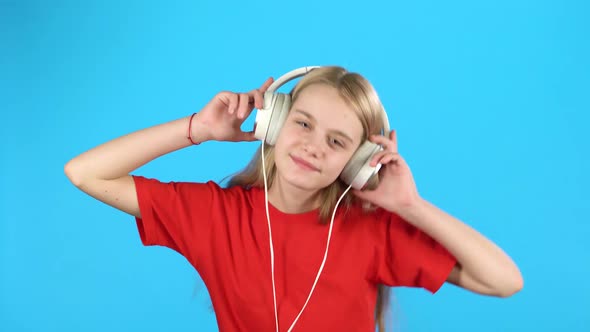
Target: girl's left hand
x=396, y=189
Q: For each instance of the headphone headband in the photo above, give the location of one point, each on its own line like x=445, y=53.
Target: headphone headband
x=296, y=73
x=293, y=74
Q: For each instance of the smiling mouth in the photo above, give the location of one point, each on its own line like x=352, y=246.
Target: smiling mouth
x=304, y=164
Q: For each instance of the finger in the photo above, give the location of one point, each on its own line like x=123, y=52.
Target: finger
x=232, y=104
x=258, y=98
x=385, y=142
x=393, y=137
x=380, y=155
x=266, y=84
x=247, y=136
x=244, y=105
x=391, y=158
x=383, y=158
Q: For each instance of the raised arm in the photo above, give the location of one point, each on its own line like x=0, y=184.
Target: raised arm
x=103, y=172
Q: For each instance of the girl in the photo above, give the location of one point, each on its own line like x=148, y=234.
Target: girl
x=262, y=245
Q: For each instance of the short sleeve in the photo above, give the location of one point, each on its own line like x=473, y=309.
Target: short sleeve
x=176, y=215
x=406, y=256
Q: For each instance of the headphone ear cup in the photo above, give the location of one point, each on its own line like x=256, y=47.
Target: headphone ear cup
x=271, y=117
x=279, y=108
x=357, y=172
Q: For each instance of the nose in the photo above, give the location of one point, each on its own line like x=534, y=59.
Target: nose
x=314, y=147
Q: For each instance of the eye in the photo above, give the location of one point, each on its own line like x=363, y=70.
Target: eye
x=336, y=142
x=303, y=124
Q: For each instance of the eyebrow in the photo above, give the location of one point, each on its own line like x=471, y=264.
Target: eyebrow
x=336, y=131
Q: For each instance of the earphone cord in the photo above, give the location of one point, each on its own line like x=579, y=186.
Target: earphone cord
x=272, y=258
x=272, y=254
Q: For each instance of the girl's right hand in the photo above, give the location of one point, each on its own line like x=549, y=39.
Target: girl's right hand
x=221, y=119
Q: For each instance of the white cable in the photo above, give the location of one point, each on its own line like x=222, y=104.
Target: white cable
x=272, y=257
x=324, y=261
x=272, y=254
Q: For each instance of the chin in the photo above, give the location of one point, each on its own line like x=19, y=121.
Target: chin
x=299, y=179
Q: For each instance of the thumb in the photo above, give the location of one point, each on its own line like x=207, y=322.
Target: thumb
x=359, y=193
x=247, y=136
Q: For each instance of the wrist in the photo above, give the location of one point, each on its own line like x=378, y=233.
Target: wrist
x=413, y=211
x=198, y=132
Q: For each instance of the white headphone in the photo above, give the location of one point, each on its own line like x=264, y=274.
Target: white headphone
x=270, y=120
x=355, y=174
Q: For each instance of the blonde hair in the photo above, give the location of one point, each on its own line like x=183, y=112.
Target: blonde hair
x=358, y=93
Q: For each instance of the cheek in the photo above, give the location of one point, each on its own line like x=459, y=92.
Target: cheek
x=283, y=138
x=291, y=128
x=283, y=145
x=339, y=160
x=287, y=136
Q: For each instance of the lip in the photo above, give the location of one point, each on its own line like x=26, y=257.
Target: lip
x=304, y=164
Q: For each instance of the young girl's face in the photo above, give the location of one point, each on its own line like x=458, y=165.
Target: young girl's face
x=320, y=135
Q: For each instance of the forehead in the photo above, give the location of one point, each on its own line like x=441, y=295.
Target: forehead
x=329, y=109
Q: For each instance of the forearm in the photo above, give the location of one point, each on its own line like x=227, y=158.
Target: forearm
x=477, y=256
x=122, y=155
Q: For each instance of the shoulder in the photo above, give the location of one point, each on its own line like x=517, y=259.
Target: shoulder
x=371, y=219
x=378, y=221
x=209, y=190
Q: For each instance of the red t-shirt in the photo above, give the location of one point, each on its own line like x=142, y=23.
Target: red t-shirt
x=223, y=233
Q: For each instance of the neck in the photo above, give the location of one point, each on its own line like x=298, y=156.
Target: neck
x=290, y=199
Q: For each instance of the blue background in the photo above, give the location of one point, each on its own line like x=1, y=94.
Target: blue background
x=490, y=101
